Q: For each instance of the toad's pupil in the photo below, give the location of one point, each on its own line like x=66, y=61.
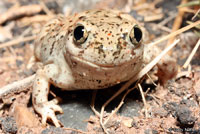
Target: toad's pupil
x=137, y=34
x=79, y=32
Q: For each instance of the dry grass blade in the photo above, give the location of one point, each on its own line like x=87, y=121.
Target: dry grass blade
x=196, y=14
x=17, y=41
x=143, y=99
x=17, y=86
x=45, y=8
x=177, y=22
x=192, y=54
x=120, y=104
x=93, y=102
x=15, y=12
x=176, y=32
x=191, y=3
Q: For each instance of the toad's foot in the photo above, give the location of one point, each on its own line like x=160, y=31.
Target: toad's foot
x=47, y=111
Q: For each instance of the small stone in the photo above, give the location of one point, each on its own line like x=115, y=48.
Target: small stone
x=184, y=116
x=128, y=123
x=8, y=125
x=160, y=112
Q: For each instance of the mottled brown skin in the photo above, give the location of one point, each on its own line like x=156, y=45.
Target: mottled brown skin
x=110, y=52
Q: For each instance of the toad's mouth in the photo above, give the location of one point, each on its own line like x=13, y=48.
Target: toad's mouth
x=96, y=65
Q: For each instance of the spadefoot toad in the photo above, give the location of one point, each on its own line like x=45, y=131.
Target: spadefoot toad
x=90, y=50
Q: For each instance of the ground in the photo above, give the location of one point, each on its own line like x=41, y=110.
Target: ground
x=171, y=107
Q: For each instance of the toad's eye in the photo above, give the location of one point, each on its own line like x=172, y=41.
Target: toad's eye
x=80, y=34
x=135, y=35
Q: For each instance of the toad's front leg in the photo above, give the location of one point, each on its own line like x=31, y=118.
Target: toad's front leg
x=50, y=73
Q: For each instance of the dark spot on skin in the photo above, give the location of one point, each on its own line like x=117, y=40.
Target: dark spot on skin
x=122, y=56
x=92, y=23
x=99, y=25
x=110, y=23
x=98, y=11
x=126, y=22
x=36, y=94
x=99, y=81
x=52, y=47
x=100, y=48
x=94, y=35
x=118, y=16
x=102, y=38
x=106, y=16
x=121, y=29
x=81, y=17
x=115, y=57
x=116, y=53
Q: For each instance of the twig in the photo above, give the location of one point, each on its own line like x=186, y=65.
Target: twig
x=191, y=54
x=143, y=99
x=119, y=106
x=35, y=19
x=153, y=17
x=17, y=86
x=156, y=100
x=162, y=24
x=45, y=8
x=177, y=22
x=196, y=14
x=165, y=21
x=93, y=102
x=15, y=12
x=164, y=28
x=146, y=69
x=176, y=33
x=151, y=80
x=17, y=41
